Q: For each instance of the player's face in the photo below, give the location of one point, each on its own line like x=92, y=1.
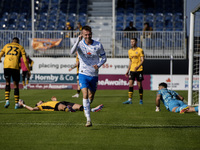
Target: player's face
x=133, y=43
x=87, y=35
x=54, y=98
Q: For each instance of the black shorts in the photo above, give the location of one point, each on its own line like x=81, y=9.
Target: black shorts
x=25, y=75
x=64, y=103
x=14, y=73
x=138, y=75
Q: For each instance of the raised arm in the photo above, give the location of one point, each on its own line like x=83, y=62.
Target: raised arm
x=74, y=47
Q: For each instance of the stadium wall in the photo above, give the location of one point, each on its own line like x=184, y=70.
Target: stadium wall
x=52, y=73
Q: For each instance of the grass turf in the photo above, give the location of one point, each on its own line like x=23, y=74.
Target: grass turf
x=117, y=126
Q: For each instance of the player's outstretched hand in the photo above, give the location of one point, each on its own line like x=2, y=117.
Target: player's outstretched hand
x=20, y=103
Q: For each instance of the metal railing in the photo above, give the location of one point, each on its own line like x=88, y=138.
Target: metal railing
x=156, y=44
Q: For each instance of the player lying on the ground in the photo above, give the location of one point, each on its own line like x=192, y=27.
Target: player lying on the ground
x=55, y=105
x=172, y=100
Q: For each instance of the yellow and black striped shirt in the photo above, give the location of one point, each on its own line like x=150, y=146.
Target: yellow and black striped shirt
x=48, y=106
x=13, y=52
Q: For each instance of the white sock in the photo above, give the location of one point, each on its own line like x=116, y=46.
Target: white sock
x=130, y=99
x=90, y=101
x=86, y=107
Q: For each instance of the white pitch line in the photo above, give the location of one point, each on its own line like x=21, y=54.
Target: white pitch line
x=2, y=101
x=114, y=125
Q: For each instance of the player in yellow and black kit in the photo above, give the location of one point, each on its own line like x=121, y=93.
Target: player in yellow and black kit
x=13, y=51
x=77, y=67
x=136, y=57
x=55, y=105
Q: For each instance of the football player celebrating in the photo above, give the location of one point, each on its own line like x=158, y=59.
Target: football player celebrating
x=89, y=53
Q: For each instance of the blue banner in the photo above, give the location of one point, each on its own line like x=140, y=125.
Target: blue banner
x=48, y=78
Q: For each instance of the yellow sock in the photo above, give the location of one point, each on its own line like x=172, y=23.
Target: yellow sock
x=16, y=99
x=130, y=94
x=7, y=95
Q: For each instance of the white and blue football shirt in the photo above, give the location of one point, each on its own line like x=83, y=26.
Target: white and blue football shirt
x=89, y=55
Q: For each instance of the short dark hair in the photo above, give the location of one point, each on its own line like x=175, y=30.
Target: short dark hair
x=163, y=84
x=134, y=39
x=87, y=28
x=146, y=23
x=16, y=39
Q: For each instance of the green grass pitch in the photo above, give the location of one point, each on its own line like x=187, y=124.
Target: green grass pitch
x=116, y=127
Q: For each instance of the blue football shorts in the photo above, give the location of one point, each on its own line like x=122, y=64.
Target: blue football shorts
x=88, y=82
x=176, y=103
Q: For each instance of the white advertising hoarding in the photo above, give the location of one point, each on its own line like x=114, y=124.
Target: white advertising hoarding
x=62, y=65
x=178, y=82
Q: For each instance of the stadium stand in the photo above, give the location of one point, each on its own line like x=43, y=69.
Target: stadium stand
x=162, y=15
x=52, y=15
x=46, y=12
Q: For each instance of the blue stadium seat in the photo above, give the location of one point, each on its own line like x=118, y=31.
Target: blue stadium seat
x=149, y=16
x=82, y=20
x=54, y=1
x=139, y=25
x=168, y=16
x=168, y=24
x=178, y=16
x=21, y=26
x=119, y=27
x=139, y=17
x=129, y=17
x=72, y=17
x=41, y=27
x=159, y=24
x=60, y=27
x=51, y=27
x=179, y=24
x=120, y=18
x=169, y=29
x=129, y=10
x=159, y=17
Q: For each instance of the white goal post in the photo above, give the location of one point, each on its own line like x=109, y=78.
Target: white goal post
x=194, y=59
